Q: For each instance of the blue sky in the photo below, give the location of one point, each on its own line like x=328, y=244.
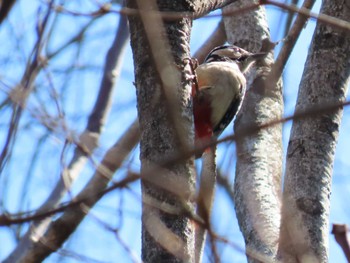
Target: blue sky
x=92, y=239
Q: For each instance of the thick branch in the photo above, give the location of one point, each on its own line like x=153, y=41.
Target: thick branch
x=311, y=149
x=257, y=187
x=198, y=7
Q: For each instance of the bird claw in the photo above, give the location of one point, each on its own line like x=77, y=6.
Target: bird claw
x=193, y=62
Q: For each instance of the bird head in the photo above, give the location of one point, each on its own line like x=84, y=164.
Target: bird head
x=231, y=53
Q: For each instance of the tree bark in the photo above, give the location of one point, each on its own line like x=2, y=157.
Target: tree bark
x=257, y=187
x=310, y=156
x=166, y=123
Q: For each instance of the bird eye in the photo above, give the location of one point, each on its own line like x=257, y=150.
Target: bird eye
x=241, y=58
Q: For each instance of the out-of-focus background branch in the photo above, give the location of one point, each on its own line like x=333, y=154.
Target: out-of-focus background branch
x=66, y=136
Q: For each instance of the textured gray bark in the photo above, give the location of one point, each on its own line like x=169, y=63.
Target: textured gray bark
x=197, y=7
x=166, y=129
x=257, y=187
x=310, y=156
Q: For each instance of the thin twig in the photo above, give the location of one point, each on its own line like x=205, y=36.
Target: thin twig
x=306, y=12
x=14, y=219
x=288, y=45
x=172, y=16
x=23, y=90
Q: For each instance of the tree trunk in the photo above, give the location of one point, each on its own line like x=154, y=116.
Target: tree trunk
x=165, y=116
x=257, y=187
x=310, y=156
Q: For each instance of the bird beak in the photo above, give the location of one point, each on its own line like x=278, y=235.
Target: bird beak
x=251, y=59
x=259, y=55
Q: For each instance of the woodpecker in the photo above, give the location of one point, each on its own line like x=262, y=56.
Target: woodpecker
x=220, y=89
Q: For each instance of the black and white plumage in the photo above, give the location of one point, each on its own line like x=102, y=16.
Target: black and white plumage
x=221, y=87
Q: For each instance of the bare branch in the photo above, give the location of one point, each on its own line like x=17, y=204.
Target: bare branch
x=59, y=230
x=205, y=200
x=5, y=7
x=288, y=45
x=311, y=149
x=178, y=15
x=306, y=13
x=22, y=91
x=340, y=233
x=88, y=139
